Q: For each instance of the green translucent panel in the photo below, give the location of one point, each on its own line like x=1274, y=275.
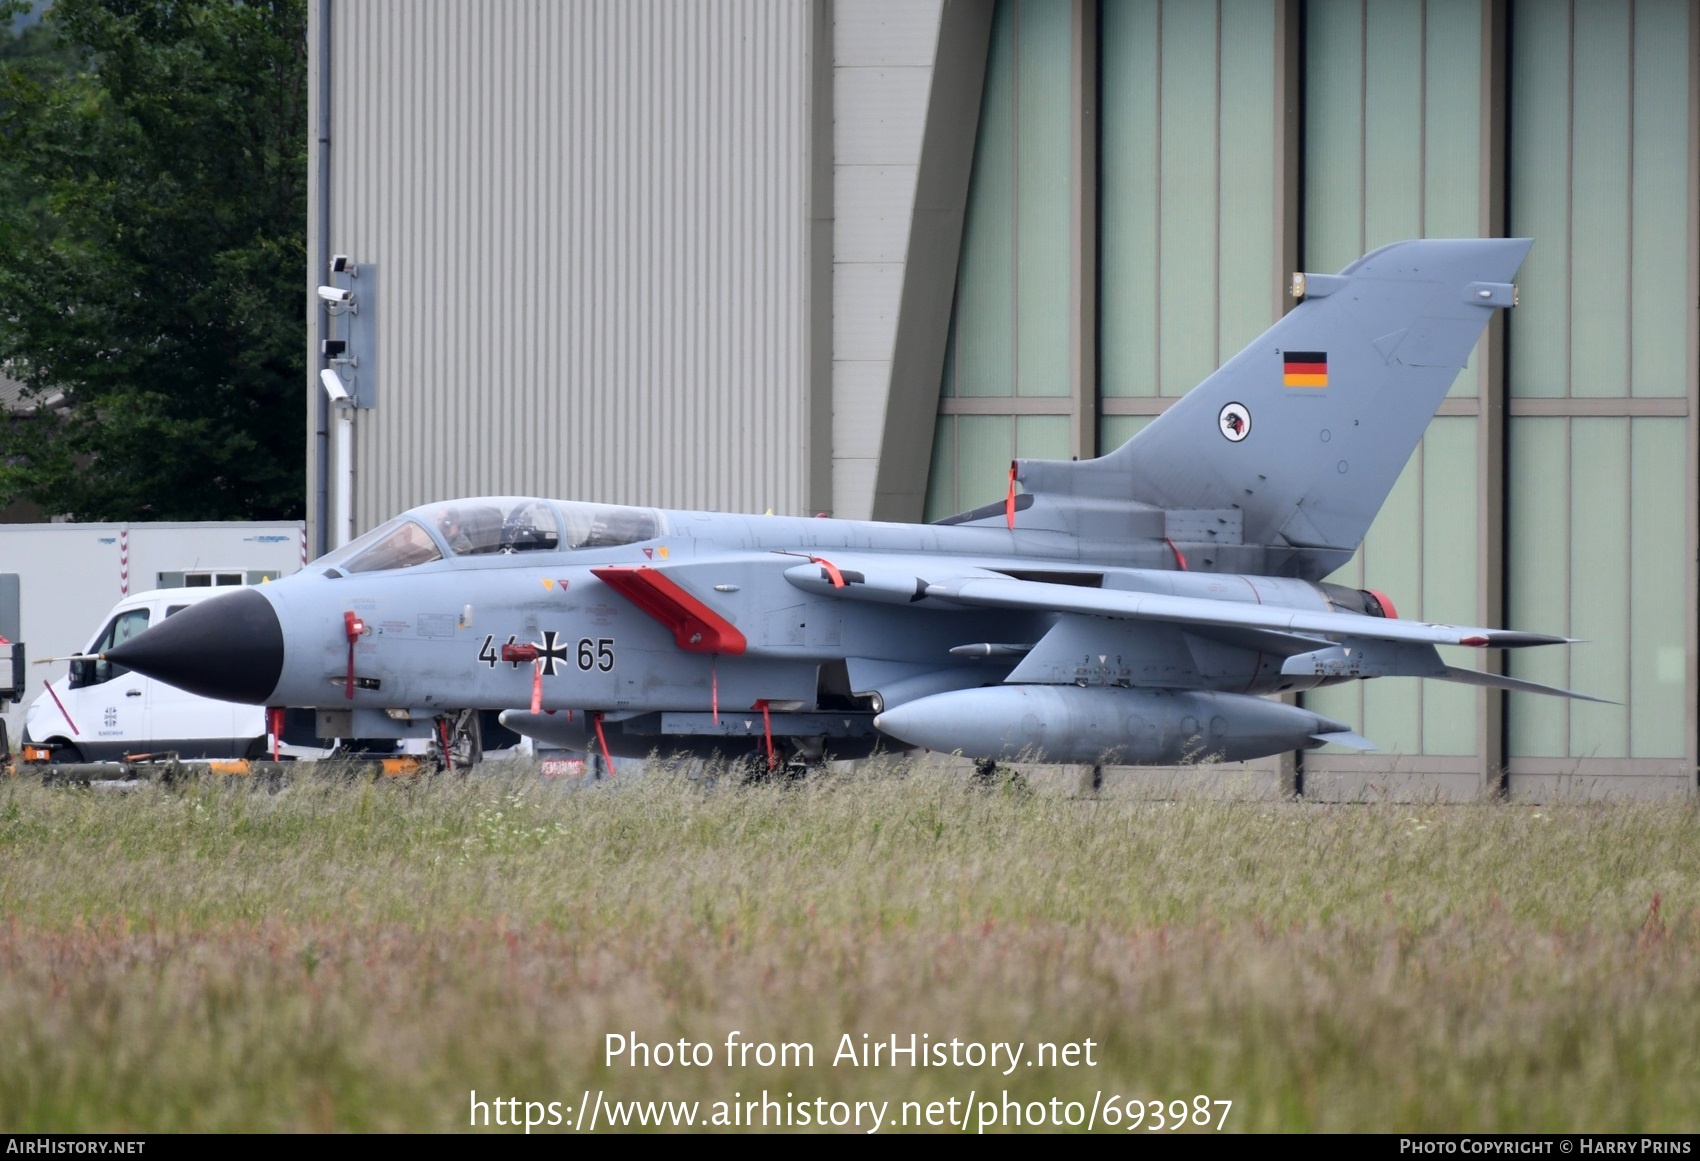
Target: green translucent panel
x=1334, y=109
x=1115, y=430
x=1659, y=283
x=941, y=479
x=1658, y=658
x=1188, y=236
x=1044, y=46
x=1247, y=268
x=1393, y=714
x=1127, y=233
x=1599, y=161
x=1452, y=136
x=1393, y=122
x=1012, y=297
x=1599, y=584
x=1393, y=563
x=1041, y=437
x=1537, y=333
x=1466, y=385
x=1537, y=569
x=1343, y=703
x=972, y=453
x=1450, y=497
x=985, y=284
x=1392, y=128
x=1452, y=114
x=1599, y=175
x=1187, y=183
x=1594, y=553
x=1450, y=573
x=1392, y=550
x=984, y=446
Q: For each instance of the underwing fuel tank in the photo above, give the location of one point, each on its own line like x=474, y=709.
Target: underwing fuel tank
x=1057, y=723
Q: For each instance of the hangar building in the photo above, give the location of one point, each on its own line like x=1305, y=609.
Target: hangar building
x=850, y=256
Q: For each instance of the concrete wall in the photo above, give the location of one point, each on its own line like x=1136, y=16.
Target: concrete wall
x=882, y=72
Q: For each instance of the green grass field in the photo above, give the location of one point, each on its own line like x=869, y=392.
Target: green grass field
x=358, y=955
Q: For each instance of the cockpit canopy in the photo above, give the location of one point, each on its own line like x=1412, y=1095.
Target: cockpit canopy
x=491, y=525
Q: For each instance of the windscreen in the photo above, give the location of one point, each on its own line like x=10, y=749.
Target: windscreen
x=401, y=543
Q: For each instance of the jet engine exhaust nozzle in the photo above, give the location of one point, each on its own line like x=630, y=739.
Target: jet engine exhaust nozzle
x=229, y=648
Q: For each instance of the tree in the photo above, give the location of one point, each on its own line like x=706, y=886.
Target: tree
x=152, y=244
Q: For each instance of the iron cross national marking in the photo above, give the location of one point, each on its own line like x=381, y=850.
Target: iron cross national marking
x=549, y=654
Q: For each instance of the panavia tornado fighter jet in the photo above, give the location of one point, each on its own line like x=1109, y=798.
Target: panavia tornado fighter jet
x=1137, y=608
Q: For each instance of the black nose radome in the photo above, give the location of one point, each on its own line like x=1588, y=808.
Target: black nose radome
x=229, y=648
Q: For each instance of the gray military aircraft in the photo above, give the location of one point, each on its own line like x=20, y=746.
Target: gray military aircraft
x=1137, y=608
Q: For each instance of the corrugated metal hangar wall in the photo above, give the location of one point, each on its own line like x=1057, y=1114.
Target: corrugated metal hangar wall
x=829, y=255
x=591, y=222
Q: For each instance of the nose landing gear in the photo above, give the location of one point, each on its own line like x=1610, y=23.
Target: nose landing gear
x=457, y=742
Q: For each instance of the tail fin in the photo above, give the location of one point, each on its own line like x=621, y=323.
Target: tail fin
x=1306, y=430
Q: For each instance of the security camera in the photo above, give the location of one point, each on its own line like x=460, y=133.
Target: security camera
x=335, y=294
x=339, y=263
x=333, y=348
x=333, y=385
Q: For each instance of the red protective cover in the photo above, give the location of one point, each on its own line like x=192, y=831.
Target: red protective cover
x=696, y=627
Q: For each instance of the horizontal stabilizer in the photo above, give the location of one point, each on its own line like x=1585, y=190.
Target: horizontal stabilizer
x=1500, y=681
x=1345, y=738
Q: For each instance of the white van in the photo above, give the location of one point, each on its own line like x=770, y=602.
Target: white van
x=99, y=711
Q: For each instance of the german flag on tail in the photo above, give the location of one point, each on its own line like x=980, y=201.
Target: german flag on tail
x=1304, y=369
